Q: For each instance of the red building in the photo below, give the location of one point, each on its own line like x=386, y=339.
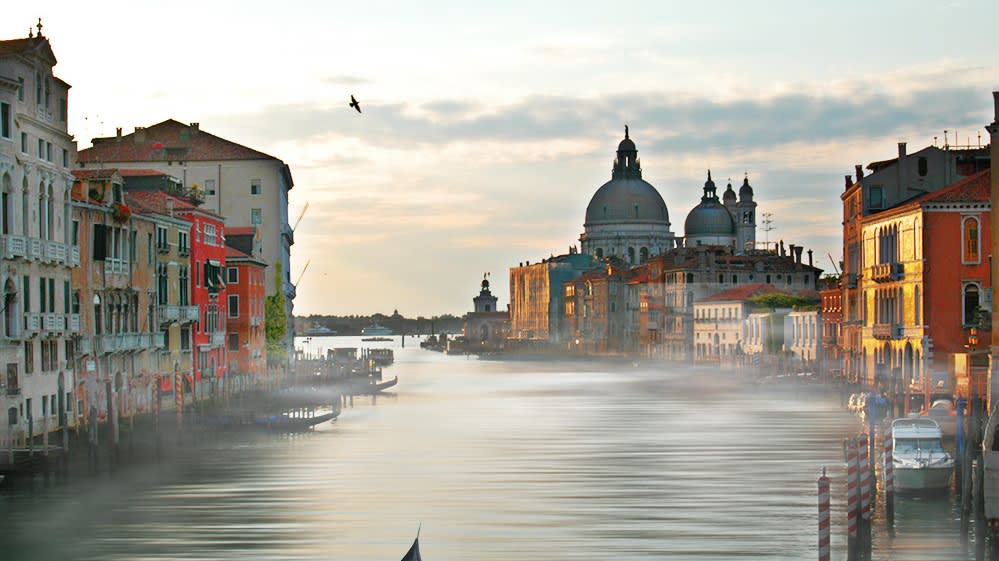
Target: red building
x=246, y=340
x=208, y=286
x=832, y=326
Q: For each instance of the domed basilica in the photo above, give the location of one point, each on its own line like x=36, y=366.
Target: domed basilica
x=627, y=217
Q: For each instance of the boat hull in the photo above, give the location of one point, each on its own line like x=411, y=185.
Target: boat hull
x=922, y=479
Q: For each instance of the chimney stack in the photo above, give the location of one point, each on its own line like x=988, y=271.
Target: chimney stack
x=849, y=181
x=797, y=253
x=118, y=132
x=790, y=249
x=810, y=258
x=859, y=169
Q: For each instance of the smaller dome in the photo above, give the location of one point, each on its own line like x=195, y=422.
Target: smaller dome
x=745, y=190
x=626, y=145
x=729, y=195
x=709, y=218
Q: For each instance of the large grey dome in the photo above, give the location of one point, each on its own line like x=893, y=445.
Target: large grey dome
x=627, y=197
x=709, y=218
x=627, y=200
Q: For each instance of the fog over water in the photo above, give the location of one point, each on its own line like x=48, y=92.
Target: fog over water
x=497, y=460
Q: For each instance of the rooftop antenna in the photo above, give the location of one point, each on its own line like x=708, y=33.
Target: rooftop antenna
x=768, y=220
x=835, y=268
x=945, y=139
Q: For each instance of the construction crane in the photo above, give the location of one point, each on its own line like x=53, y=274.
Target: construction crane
x=835, y=268
x=305, y=208
x=300, y=275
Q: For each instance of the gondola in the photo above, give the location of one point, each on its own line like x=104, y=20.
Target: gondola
x=414, y=552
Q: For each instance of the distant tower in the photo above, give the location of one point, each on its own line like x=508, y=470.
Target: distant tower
x=485, y=301
x=745, y=217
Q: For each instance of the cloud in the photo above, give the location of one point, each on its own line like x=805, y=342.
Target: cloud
x=345, y=80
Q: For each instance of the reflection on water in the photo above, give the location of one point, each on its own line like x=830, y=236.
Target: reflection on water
x=498, y=460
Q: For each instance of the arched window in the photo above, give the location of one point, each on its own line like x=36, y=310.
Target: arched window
x=43, y=212
x=970, y=240
x=644, y=254
x=25, y=209
x=600, y=253
x=631, y=255
x=51, y=214
x=971, y=303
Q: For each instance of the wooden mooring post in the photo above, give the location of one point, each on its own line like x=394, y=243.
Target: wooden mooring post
x=852, y=500
x=823, y=545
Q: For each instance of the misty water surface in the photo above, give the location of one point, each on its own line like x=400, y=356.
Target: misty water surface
x=497, y=460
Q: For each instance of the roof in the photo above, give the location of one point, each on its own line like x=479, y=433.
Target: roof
x=95, y=174
x=974, y=188
x=168, y=141
x=38, y=44
x=240, y=231
x=155, y=202
x=741, y=293
x=140, y=172
x=233, y=254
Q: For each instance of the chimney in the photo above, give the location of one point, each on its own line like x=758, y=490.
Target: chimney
x=118, y=132
x=995, y=101
x=790, y=248
x=810, y=258
x=195, y=128
x=797, y=253
x=859, y=169
x=902, y=179
x=140, y=134
x=849, y=181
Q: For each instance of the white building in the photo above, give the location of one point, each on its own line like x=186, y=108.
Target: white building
x=627, y=217
x=802, y=335
x=720, y=324
x=36, y=155
x=247, y=187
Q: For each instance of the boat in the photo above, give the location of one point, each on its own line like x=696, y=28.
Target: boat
x=372, y=339
x=320, y=331
x=375, y=329
x=278, y=422
x=919, y=460
x=414, y=550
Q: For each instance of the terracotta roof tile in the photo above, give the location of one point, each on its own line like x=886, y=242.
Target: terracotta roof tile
x=974, y=188
x=155, y=202
x=231, y=252
x=240, y=230
x=166, y=141
x=740, y=293
x=95, y=174
x=140, y=172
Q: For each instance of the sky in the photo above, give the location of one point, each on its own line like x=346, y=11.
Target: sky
x=486, y=128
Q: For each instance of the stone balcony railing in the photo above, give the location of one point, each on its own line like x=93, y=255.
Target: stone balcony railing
x=886, y=331
x=36, y=249
x=122, y=342
x=886, y=272
x=184, y=314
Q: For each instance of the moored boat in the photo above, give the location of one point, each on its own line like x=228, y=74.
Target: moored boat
x=375, y=329
x=920, y=462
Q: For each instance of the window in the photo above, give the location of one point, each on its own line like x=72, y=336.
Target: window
x=233, y=275
x=182, y=245
x=255, y=188
x=234, y=342
x=29, y=357
x=875, y=199
x=48, y=153
x=185, y=338
x=210, y=234
x=162, y=284
x=41, y=148
x=65, y=158
x=20, y=88
x=234, y=305
x=256, y=218
x=971, y=303
x=162, y=243
x=970, y=240
x=921, y=166
x=182, y=298
x=5, y=120
x=38, y=88
x=62, y=109
x=210, y=186
x=24, y=142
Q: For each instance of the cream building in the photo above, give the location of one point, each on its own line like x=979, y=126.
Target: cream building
x=36, y=153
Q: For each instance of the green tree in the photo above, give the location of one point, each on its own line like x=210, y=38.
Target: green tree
x=782, y=300
x=276, y=321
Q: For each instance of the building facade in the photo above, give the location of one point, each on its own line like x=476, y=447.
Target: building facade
x=36, y=244
x=537, y=304
x=245, y=186
x=486, y=327
x=247, y=343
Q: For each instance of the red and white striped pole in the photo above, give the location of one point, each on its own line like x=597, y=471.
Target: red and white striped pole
x=852, y=498
x=864, y=461
x=823, y=516
x=889, y=483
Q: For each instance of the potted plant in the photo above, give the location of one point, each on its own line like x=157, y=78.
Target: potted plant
x=121, y=213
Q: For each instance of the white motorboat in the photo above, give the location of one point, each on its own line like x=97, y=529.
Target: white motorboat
x=375, y=329
x=919, y=460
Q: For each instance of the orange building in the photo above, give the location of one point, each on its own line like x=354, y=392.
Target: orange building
x=932, y=250
x=245, y=339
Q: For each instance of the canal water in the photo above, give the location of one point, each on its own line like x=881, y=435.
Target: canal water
x=493, y=460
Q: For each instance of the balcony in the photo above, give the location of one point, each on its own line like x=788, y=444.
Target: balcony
x=13, y=391
x=55, y=252
x=886, y=272
x=73, y=323
x=74, y=256
x=172, y=312
x=115, y=266
x=218, y=339
x=12, y=247
x=32, y=323
x=885, y=331
x=53, y=322
x=183, y=251
x=35, y=249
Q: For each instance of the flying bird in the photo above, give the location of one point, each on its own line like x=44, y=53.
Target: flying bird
x=355, y=104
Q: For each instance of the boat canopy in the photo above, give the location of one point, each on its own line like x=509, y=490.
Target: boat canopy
x=915, y=427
